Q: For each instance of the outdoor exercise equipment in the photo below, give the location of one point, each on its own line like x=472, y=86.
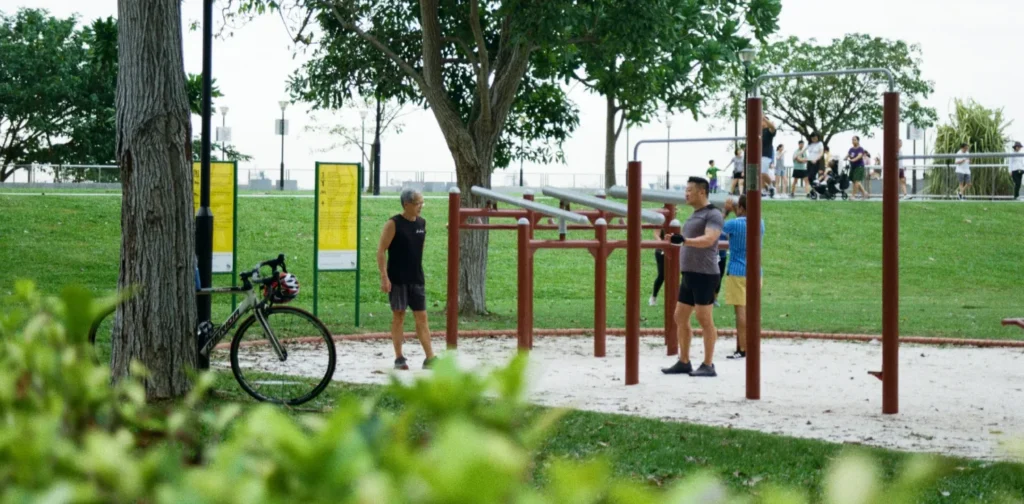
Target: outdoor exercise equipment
x=528, y=217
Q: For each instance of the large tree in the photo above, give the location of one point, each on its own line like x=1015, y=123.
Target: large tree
x=57, y=82
x=156, y=325
x=662, y=55
x=468, y=61
x=832, y=105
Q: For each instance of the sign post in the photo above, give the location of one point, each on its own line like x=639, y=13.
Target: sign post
x=336, y=232
x=223, y=203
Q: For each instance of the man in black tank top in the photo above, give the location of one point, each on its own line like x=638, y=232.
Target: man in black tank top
x=401, y=278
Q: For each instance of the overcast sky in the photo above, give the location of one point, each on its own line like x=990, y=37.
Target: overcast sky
x=970, y=50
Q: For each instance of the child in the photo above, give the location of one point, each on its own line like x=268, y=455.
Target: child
x=712, y=174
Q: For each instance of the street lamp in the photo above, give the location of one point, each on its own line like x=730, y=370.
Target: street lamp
x=223, y=132
x=282, y=130
x=747, y=58
x=668, y=151
x=362, y=142
x=522, y=124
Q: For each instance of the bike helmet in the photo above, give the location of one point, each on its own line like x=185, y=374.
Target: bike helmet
x=282, y=290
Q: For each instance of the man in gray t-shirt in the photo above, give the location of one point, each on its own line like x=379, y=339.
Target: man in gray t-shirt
x=699, y=265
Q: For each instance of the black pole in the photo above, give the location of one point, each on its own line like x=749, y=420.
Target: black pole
x=521, y=162
x=376, y=152
x=204, y=217
x=223, y=144
x=280, y=182
x=746, y=96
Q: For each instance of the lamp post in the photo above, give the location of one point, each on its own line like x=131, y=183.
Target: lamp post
x=282, y=130
x=362, y=143
x=522, y=124
x=747, y=58
x=223, y=132
x=668, y=151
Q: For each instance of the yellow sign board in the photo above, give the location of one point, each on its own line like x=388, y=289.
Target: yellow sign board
x=222, y=203
x=337, y=216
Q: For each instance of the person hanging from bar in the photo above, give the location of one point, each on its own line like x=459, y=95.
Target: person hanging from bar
x=699, y=266
x=403, y=239
x=735, y=232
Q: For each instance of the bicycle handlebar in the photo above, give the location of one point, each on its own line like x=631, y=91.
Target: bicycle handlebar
x=273, y=264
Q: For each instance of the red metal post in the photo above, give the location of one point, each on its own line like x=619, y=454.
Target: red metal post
x=532, y=218
x=890, y=255
x=451, y=328
x=600, y=288
x=524, y=322
x=753, y=176
x=671, y=292
x=634, y=204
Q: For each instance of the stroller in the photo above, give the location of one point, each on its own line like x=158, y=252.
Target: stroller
x=832, y=185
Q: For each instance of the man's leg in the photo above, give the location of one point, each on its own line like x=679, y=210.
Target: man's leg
x=741, y=328
x=707, y=324
x=684, y=331
x=397, y=324
x=423, y=332
x=1018, y=176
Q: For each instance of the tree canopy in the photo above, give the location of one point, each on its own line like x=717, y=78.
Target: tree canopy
x=832, y=105
x=58, y=81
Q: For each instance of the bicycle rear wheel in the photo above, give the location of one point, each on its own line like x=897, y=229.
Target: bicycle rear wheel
x=101, y=330
x=308, y=355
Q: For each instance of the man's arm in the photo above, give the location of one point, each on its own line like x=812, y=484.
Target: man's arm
x=708, y=240
x=385, y=241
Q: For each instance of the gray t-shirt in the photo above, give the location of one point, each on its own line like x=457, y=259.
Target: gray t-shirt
x=701, y=260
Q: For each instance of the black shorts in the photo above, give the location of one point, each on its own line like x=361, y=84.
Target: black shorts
x=737, y=175
x=698, y=289
x=814, y=168
x=799, y=174
x=411, y=296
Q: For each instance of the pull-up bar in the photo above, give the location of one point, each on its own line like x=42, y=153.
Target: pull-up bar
x=530, y=205
x=825, y=73
x=663, y=196
x=601, y=204
x=636, y=146
x=962, y=155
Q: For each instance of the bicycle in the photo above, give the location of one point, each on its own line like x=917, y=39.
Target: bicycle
x=268, y=327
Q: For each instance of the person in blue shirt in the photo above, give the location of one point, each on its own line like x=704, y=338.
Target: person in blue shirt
x=735, y=231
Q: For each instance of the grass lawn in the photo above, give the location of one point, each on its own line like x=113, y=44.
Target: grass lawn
x=959, y=271
x=659, y=452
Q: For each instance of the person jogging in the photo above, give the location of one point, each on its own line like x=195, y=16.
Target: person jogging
x=699, y=266
x=736, y=274
x=403, y=239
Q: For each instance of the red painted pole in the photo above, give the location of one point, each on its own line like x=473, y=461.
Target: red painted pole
x=532, y=218
x=633, y=237
x=671, y=291
x=523, y=326
x=451, y=328
x=600, y=288
x=890, y=255
x=753, y=176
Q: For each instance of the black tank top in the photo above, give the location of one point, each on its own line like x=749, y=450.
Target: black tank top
x=405, y=254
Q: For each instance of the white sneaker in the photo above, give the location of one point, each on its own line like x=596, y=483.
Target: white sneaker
x=653, y=301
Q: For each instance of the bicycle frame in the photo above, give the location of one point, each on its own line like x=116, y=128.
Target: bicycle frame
x=251, y=302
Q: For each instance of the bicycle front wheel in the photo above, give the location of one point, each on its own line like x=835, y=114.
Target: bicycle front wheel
x=291, y=361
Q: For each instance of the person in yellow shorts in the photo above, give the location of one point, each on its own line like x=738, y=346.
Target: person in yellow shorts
x=735, y=231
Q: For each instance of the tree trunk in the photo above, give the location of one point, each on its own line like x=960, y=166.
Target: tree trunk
x=156, y=325
x=611, y=137
x=472, y=243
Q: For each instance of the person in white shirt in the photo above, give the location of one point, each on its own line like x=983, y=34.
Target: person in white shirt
x=902, y=172
x=814, y=154
x=1017, y=170
x=963, y=172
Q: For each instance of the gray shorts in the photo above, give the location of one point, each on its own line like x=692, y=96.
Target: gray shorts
x=407, y=296
x=963, y=178
x=780, y=172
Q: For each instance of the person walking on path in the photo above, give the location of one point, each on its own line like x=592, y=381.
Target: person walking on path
x=856, y=158
x=403, y=239
x=815, y=162
x=963, y=172
x=902, y=172
x=737, y=173
x=712, y=174
x=1016, y=170
x=799, y=169
x=768, y=132
x=781, y=175
x=659, y=259
x=699, y=266
x=736, y=275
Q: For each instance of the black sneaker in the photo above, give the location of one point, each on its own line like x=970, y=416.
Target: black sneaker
x=738, y=354
x=429, y=363
x=705, y=370
x=400, y=364
x=678, y=368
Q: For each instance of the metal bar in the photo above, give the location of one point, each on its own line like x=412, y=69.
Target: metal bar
x=825, y=73
x=968, y=155
x=890, y=255
x=633, y=275
x=523, y=291
x=530, y=205
x=663, y=196
x=647, y=216
x=451, y=328
x=753, y=336
x=636, y=147
x=600, y=288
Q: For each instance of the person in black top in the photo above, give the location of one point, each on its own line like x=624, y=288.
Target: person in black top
x=659, y=259
x=767, y=155
x=403, y=239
